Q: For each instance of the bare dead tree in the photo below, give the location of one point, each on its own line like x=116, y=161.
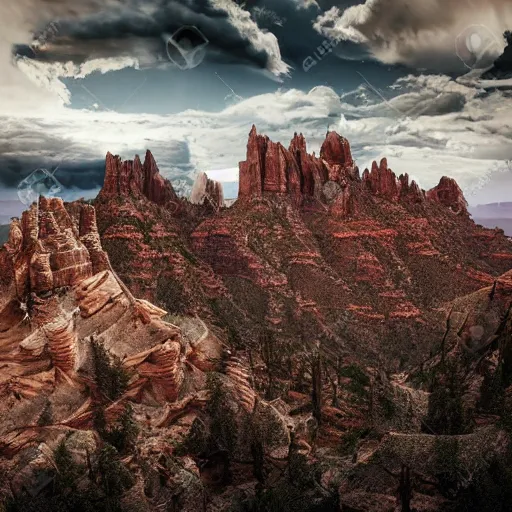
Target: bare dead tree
x=316, y=391
x=332, y=373
x=493, y=291
x=443, y=341
x=268, y=354
x=405, y=489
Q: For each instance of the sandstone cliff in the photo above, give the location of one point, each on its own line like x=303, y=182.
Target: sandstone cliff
x=131, y=177
x=207, y=192
x=58, y=296
x=60, y=302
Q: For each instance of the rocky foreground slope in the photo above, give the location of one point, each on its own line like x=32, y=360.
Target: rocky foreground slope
x=164, y=354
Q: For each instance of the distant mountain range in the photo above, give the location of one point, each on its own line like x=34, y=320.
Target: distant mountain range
x=494, y=215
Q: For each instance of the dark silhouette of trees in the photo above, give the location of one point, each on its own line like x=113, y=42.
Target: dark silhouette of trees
x=405, y=489
x=316, y=384
x=447, y=414
x=109, y=374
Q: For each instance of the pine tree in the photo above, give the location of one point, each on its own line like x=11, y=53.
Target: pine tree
x=109, y=374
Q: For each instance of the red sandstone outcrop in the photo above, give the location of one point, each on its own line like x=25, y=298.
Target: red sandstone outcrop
x=45, y=340
x=336, y=150
x=410, y=191
x=382, y=181
x=336, y=153
x=314, y=171
x=332, y=178
x=270, y=167
x=133, y=178
x=449, y=194
x=208, y=192
x=52, y=247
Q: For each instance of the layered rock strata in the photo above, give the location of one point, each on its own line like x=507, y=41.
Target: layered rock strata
x=59, y=296
x=309, y=230
x=270, y=167
x=51, y=247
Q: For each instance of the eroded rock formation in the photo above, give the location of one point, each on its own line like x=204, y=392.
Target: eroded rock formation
x=131, y=177
x=59, y=297
x=382, y=182
x=272, y=168
x=208, y=192
x=449, y=194
x=314, y=277
x=331, y=178
x=52, y=247
x=376, y=247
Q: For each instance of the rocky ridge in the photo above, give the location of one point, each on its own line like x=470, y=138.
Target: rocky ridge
x=143, y=226
x=296, y=213
x=270, y=168
x=308, y=232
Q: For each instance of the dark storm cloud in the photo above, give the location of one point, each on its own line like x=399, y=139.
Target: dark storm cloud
x=296, y=35
x=82, y=175
x=421, y=33
x=140, y=29
x=30, y=144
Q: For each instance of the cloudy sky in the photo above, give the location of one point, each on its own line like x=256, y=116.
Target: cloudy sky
x=398, y=78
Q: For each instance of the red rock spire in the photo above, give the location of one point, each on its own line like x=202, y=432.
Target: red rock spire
x=131, y=178
x=449, y=194
x=208, y=192
x=336, y=150
x=54, y=245
x=382, y=180
x=270, y=167
x=156, y=188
